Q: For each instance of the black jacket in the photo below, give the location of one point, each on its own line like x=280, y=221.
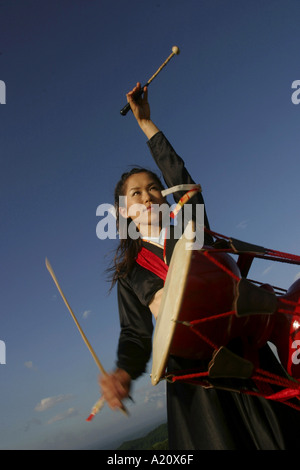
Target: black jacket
x=137, y=290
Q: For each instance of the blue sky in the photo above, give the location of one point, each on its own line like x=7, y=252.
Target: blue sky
x=224, y=103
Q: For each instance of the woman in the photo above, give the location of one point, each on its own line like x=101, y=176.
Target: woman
x=198, y=418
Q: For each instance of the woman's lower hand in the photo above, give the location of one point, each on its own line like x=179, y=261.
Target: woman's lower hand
x=115, y=387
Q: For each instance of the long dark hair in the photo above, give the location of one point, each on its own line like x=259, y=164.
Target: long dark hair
x=128, y=248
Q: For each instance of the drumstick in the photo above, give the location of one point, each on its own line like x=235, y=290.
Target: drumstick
x=175, y=51
x=100, y=366
x=74, y=318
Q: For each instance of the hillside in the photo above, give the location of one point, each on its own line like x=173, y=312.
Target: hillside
x=154, y=440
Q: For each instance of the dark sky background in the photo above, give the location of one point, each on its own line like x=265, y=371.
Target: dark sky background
x=226, y=105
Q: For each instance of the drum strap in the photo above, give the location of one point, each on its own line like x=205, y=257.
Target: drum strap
x=152, y=262
x=191, y=189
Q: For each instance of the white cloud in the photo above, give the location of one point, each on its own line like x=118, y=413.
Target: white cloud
x=60, y=417
x=86, y=313
x=152, y=396
x=49, y=402
x=243, y=224
x=28, y=364
x=160, y=404
x=266, y=271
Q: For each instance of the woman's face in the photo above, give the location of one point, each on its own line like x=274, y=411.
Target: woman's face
x=142, y=192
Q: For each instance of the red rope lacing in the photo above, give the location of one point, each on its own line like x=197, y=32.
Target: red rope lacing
x=190, y=376
x=291, y=387
x=294, y=304
x=285, y=256
x=273, y=254
x=207, y=319
x=220, y=265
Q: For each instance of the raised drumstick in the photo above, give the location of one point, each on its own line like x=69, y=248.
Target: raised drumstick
x=175, y=51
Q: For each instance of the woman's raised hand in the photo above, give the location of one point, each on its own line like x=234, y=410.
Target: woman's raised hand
x=139, y=102
x=141, y=110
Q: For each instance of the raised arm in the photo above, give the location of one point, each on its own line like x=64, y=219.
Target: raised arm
x=168, y=161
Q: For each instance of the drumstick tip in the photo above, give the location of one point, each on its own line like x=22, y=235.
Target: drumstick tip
x=175, y=50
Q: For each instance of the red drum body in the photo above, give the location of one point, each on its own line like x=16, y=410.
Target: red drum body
x=209, y=294
x=205, y=306
x=286, y=331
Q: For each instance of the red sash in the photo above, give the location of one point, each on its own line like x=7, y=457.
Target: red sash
x=153, y=263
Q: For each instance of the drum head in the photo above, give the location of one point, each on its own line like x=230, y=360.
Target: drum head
x=170, y=307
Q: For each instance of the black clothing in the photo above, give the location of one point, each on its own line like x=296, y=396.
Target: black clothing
x=137, y=290
x=214, y=419
x=198, y=418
